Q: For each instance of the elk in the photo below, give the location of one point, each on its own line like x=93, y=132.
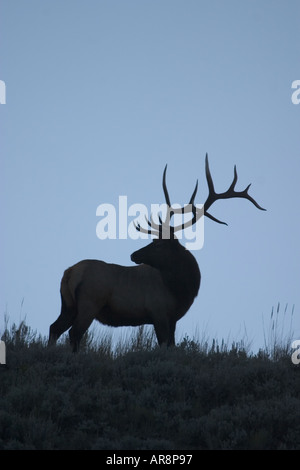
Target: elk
x=159, y=291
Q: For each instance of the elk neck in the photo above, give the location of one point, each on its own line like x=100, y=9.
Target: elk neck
x=181, y=275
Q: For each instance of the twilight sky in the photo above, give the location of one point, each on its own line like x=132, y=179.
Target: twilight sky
x=100, y=95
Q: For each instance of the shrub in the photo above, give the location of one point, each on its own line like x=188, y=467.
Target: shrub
x=138, y=396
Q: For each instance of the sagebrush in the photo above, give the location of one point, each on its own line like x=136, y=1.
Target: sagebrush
x=142, y=397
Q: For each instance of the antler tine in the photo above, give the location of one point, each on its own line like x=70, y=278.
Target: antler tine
x=230, y=193
x=182, y=210
x=209, y=177
x=250, y=198
x=214, y=218
x=194, y=194
x=144, y=230
x=151, y=223
x=171, y=211
x=167, y=197
x=235, y=178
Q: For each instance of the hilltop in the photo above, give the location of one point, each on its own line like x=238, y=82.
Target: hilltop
x=143, y=397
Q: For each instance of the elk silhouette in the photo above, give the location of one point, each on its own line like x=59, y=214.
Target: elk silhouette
x=159, y=291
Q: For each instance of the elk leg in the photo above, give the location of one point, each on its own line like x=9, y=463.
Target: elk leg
x=85, y=317
x=161, y=328
x=62, y=324
x=171, y=340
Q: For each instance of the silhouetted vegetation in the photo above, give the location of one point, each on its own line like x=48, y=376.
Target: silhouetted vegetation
x=137, y=396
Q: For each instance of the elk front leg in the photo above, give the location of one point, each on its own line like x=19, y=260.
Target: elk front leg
x=165, y=331
x=171, y=339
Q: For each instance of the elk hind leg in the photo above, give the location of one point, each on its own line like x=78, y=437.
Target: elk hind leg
x=63, y=323
x=86, y=314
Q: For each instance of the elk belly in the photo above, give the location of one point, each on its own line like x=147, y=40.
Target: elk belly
x=114, y=317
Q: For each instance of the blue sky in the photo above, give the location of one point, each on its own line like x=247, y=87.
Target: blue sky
x=100, y=95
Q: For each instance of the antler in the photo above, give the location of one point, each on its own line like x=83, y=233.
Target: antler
x=164, y=229
x=230, y=193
